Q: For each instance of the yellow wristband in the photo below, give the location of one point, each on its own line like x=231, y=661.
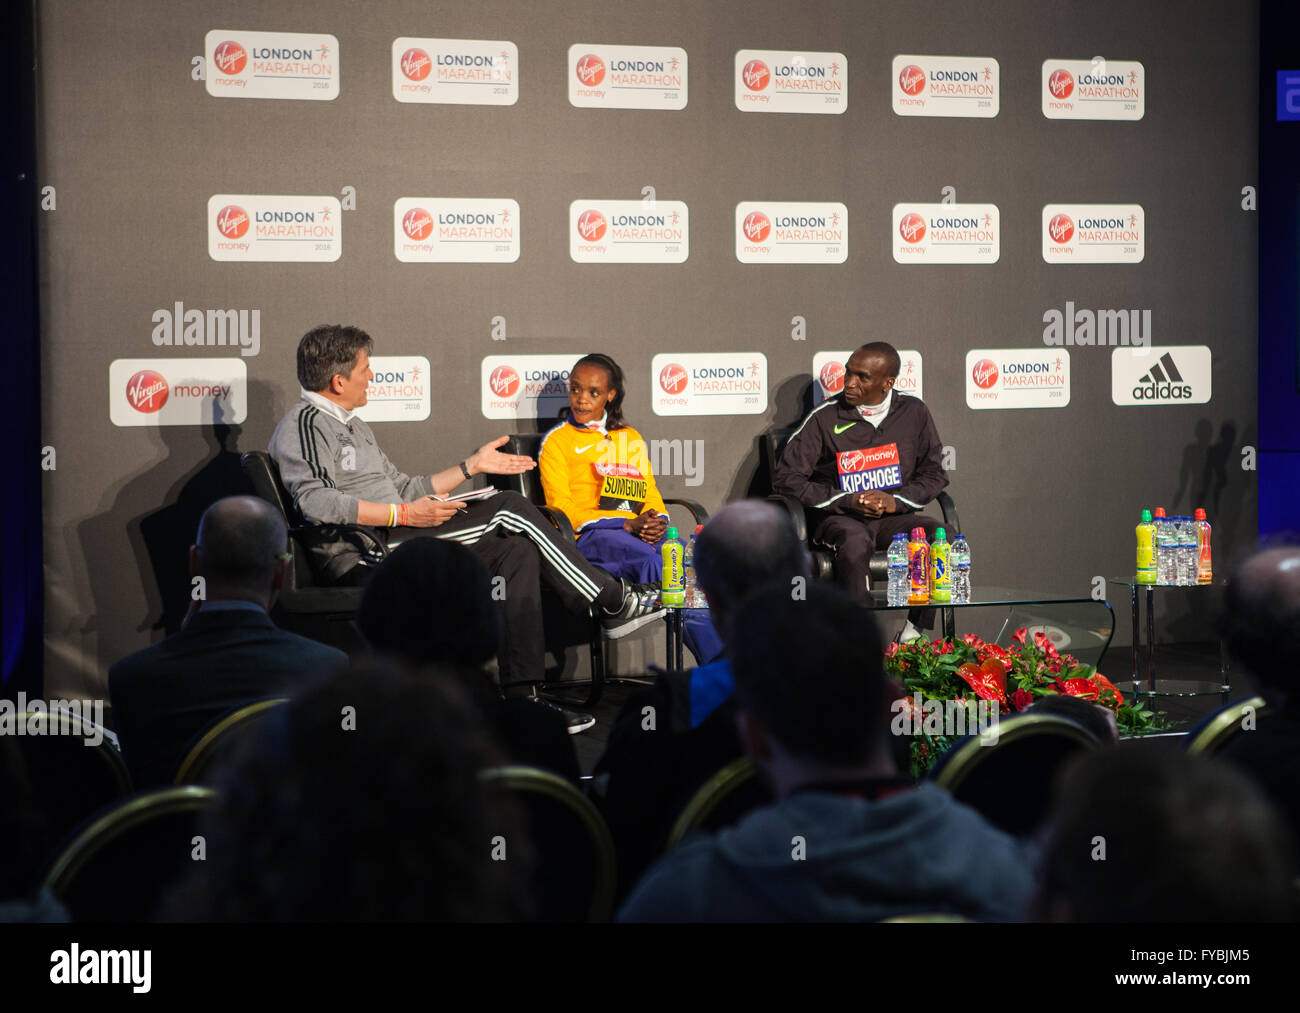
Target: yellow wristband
x=392, y=515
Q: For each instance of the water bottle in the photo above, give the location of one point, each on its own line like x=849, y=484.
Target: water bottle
x=959, y=557
x=1186, y=552
x=692, y=589
x=1204, y=571
x=673, y=587
x=918, y=566
x=1166, y=548
x=940, y=575
x=1146, y=550
x=896, y=593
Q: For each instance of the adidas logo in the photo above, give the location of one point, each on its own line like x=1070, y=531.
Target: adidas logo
x=1163, y=380
x=625, y=505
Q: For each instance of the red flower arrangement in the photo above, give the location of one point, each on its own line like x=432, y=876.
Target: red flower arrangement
x=1010, y=677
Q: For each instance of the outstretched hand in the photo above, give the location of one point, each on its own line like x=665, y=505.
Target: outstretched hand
x=489, y=460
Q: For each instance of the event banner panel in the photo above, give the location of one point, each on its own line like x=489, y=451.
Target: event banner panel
x=828, y=373
x=791, y=232
x=629, y=232
x=716, y=383
x=947, y=233
x=177, y=392
x=1096, y=89
x=627, y=77
x=289, y=65
x=946, y=86
x=463, y=230
x=455, y=71
x=768, y=81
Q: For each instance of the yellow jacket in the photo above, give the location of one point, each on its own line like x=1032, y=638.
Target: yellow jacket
x=589, y=476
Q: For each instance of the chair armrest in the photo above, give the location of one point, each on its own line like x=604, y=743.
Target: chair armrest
x=697, y=511
x=797, y=515
x=561, y=521
x=950, y=519
x=310, y=531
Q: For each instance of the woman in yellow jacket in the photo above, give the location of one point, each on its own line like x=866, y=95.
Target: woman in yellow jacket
x=595, y=468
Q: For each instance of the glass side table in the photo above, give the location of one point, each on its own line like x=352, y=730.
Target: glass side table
x=1212, y=589
x=1091, y=622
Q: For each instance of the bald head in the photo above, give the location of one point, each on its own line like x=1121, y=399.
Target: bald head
x=744, y=546
x=240, y=538
x=1261, y=617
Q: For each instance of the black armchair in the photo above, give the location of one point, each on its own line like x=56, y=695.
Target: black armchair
x=327, y=614
x=773, y=444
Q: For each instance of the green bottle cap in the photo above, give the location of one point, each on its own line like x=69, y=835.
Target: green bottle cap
x=672, y=532
x=1146, y=516
x=939, y=535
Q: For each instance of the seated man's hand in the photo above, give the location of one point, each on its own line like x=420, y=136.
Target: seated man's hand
x=427, y=512
x=488, y=460
x=873, y=503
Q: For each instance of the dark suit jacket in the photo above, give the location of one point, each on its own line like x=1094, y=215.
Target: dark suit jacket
x=166, y=695
x=653, y=774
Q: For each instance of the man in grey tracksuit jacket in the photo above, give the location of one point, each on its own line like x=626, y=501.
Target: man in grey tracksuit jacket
x=332, y=466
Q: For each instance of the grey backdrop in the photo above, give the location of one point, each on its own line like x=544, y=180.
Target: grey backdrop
x=1049, y=498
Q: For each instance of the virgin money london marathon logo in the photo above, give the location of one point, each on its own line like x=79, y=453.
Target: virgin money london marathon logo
x=1017, y=378
x=1096, y=89
x=434, y=230
x=271, y=65
x=257, y=227
x=1094, y=233
x=177, y=392
x=629, y=232
x=779, y=81
x=627, y=77
x=525, y=387
x=947, y=233
x=946, y=86
x=400, y=390
x=789, y=232
x=1164, y=375
x=828, y=373
x=709, y=383
x=455, y=71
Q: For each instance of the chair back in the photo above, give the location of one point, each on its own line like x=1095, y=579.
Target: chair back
x=575, y=873
x=121, y=865
x=220, y=738
x=526, y=483
x=730, y=794
x=264, y=476
x=70, y=778
x=1225, y=725
x=1010, y=780
x=773, y=445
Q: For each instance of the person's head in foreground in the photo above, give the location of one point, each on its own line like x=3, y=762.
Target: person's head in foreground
x=848, y=838
x=1260, y=624
x=742, y=547
x=1095, y=717
x=241, y=551
x=359, y=801
x=1146, y=833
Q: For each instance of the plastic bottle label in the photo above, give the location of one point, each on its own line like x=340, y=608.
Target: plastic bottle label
x=673, y=586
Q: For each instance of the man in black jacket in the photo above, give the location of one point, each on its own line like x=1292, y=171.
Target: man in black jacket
x=227, y=654
x=864, y=464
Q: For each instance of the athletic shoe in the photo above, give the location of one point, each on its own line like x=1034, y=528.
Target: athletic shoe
x=640, y=607
x=576, y=720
